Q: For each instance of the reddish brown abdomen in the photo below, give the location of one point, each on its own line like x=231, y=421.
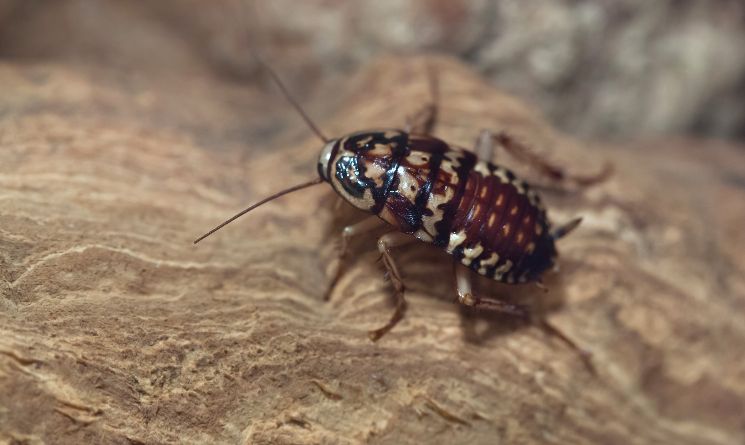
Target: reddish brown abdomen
x=499, y=228
x=478, y=212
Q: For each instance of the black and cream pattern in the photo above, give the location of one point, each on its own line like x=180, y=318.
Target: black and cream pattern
x=476, y=211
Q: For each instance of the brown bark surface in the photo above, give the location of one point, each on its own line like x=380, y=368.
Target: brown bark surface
x=114, y=328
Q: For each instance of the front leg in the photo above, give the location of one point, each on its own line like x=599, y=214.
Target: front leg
x=385, y=243
x=365, y=226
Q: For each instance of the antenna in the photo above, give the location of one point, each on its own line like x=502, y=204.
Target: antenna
x=263, y=201
x=240, y=19
x=288, y=96
x=290, y=99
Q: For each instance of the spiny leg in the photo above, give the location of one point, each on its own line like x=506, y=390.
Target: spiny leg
x=385, y=243
x=424, y=120
x=467, y=298
x=584, y=354
x=550, y=328
x=521, y=152
x=366, y=225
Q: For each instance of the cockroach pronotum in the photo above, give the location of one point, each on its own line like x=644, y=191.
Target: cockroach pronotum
x=426, y=189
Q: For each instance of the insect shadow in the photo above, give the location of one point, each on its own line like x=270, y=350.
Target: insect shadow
x=420, y=262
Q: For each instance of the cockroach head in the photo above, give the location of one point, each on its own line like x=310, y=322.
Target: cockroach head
x=358, y=165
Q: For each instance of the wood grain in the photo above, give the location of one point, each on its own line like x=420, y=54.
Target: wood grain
x=114, y=328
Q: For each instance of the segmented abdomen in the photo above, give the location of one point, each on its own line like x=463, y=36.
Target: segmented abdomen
x=478, y=212
x=499, y=228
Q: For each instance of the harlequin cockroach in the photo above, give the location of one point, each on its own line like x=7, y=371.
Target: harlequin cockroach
x=480, y=213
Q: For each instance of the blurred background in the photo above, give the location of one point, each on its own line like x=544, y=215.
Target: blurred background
x=598, y=68
x=129, y=127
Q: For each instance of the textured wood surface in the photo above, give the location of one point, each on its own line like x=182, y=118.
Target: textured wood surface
x=114, y=328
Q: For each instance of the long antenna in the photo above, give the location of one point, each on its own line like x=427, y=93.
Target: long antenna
x=290, y=99
x=240, y=16
x=263, y=201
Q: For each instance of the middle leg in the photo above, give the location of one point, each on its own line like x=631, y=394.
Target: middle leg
x=366, y=225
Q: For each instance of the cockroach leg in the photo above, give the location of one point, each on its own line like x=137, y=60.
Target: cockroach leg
x=521, y=152
x=585, y=355
x=421, y=122
x=365, y=226
x=424, y=120
x=385, y=243
x=484, y=148
x=466, y=296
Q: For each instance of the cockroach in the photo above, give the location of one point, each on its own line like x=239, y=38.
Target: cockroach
x=480, y=213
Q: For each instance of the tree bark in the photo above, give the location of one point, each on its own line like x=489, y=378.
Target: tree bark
x=114, y=328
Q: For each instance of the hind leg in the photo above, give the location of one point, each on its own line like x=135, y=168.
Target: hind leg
x=584, y=354
x=564, y=229
x=466, y=297
x=523, y=153
x=484, y=148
